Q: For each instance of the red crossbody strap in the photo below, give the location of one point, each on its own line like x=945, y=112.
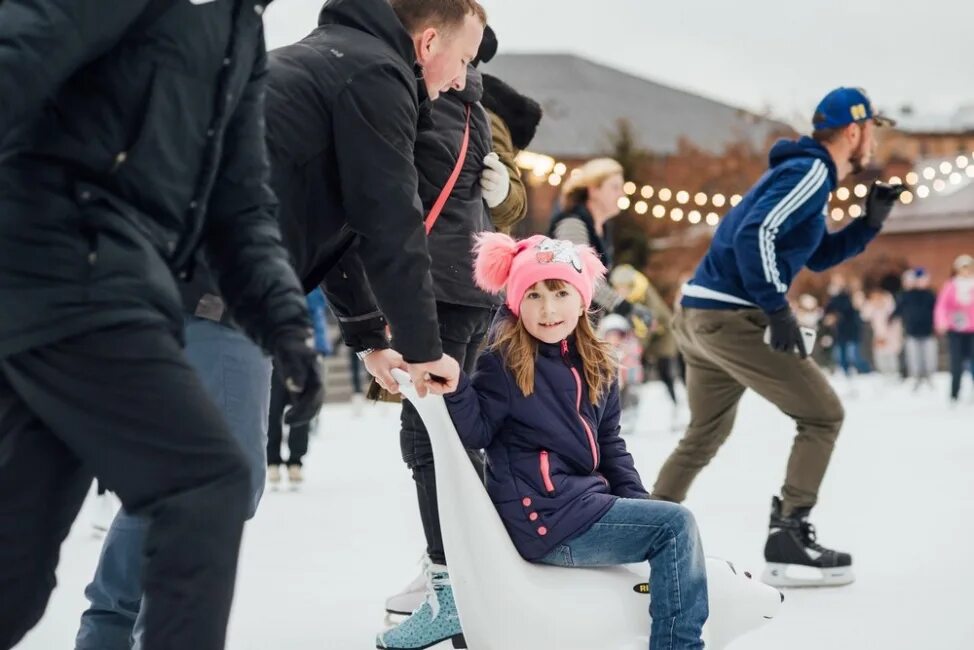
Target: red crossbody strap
x=441, y=200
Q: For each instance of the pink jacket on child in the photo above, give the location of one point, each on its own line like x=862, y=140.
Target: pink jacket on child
x=955, y=306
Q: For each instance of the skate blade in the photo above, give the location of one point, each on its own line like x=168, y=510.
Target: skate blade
x=797, y=575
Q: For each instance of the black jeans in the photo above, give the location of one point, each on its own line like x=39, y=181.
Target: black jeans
x=297, y=435
x=668, y=367
x=122, y=404
x=961, y=352
x=462, y=330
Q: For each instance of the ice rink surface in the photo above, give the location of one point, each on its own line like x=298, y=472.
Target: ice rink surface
x=317, y=564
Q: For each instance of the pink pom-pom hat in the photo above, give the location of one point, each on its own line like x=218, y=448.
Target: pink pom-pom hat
x=503, y=264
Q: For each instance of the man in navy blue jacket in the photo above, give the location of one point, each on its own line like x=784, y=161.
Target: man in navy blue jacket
x=737, y=330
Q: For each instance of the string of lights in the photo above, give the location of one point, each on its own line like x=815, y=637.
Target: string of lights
x=700, y=207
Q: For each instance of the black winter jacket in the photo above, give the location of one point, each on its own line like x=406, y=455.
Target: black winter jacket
x=342, y=112
x=465, y=213
x=123, y=150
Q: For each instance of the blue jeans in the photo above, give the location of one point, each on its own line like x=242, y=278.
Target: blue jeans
x=237, y=376
x=848, y=357
x=665, y=534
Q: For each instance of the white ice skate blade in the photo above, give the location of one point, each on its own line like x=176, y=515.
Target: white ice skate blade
x=797, y=575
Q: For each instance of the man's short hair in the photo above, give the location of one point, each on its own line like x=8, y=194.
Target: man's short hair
x=417, y=15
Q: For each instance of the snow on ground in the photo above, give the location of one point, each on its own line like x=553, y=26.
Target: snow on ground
x=317, y=564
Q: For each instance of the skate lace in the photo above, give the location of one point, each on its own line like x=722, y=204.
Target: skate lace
x=809, y=537
x=435, y=582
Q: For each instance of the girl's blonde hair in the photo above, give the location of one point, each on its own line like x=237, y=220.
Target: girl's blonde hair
x=519, y=350
x=592, y=174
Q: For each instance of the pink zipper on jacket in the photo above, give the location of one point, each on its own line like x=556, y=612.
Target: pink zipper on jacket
x=546, y=471
x=578, y=405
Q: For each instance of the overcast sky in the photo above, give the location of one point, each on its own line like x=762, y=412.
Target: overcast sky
x=780, y=54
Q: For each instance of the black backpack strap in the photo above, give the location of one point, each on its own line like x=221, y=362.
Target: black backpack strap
x=152, y=12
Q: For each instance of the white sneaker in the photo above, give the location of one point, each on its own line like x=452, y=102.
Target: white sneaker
x=103, y=511
x=412, y=596
x=294, y=476
x=274, y=476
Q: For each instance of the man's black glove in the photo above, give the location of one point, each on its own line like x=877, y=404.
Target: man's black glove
x=880, y=201
x=298, y=363
x=786, y=335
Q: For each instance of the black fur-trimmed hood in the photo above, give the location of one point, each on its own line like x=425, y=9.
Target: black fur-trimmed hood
x=521, y=114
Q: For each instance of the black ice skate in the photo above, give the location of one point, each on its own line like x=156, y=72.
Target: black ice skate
x=795, y=559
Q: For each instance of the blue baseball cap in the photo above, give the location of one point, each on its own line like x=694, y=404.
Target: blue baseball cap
x=844, y=106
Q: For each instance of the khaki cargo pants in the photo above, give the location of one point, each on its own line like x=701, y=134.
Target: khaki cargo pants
x=725, y=353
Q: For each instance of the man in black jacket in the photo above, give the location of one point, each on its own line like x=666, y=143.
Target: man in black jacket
x=342, y=111
x=130, y=137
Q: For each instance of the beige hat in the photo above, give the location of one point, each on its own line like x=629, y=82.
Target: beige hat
x=962, y=261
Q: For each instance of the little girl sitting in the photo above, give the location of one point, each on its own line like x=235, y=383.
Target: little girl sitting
x=544, y=404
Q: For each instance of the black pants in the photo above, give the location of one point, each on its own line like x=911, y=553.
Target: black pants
x=667, y=367
x=297, y=436
x=961, y=352
x=124, y=405
x=462, y=330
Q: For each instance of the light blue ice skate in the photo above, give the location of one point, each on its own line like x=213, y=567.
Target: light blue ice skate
x=435, y=623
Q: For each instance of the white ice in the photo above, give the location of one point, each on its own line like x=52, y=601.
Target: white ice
x=899, y=495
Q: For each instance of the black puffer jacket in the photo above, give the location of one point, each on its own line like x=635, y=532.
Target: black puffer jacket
x=124, y=147
x=465, y=213
x=342, y=113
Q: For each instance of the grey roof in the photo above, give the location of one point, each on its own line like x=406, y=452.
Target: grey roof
x=583, y=100
x=951, y=209
x=960, y=121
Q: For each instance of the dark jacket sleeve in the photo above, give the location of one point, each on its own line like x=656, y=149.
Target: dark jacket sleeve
x=375, y=133
x=43, y=42
x=480, y=405
x=350, y=297
x=616, y=463
x=837, y=247
x=243, y=240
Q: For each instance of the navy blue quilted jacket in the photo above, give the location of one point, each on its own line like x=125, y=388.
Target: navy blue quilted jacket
x=555, y=461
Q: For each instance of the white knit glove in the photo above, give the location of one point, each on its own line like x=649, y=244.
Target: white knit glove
x=494, y=181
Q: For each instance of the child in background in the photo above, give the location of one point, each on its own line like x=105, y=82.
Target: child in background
x=544, y=404
x=618, y=333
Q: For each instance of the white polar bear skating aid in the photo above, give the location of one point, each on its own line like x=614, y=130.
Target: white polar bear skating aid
x=507, y=603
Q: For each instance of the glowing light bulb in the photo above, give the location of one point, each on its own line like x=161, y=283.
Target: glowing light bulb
x=629, y=188
x=734, y=200
x=560, y=169
x=682, y=197
x=945, y=167
x=641, y=207
x=694, y=216
x=837, y=214
x=842, y=193
x=713, y=219
x=665, y=194
x=647, y=192
x=659, y=211
x=676, y=214
x=855, y=211
x=554, y=180
x=719, y=200
x=912, y=178
x=700, y=199
x=923, y=192
x=624, y=203
x=906, y=197
x=929, y=173
x=861, y=190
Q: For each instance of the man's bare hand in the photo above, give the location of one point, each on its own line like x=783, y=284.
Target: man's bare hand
x=380, y=364
x=438, y=377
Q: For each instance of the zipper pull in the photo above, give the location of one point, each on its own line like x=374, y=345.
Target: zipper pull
x=564, y=353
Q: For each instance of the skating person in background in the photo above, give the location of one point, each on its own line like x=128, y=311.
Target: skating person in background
x=660, y=346
x=915, y=311
x=343, y=107
x=617, y=331
x=93, y=234
x=544, y=403
x=887, y=333
x=842, y=315
x=298, y=434
x=483, y=197
x=738, y=297
x=809, y=314
x=590, y=200
x=954, y=317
